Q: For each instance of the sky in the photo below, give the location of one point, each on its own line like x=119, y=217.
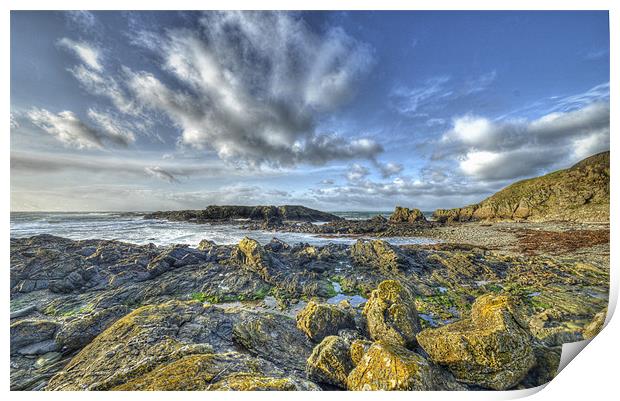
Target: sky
x=137, y=111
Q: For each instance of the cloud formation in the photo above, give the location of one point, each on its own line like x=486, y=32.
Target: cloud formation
x=160, y=173
x=253, y=86
x=434, y=92
x=40, y=163
x=69, y=129
x=84, y=20
x=389, y=169
x=501, y=150
x=357, y=172
x=84, y=51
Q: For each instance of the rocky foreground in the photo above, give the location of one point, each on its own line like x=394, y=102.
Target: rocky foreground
x=487, y=309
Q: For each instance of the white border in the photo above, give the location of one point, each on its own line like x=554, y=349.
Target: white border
x=592, y=375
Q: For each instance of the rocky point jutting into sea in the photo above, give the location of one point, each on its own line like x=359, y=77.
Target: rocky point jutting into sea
x=487, y=306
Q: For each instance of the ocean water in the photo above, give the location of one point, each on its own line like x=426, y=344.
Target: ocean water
x=131, y=227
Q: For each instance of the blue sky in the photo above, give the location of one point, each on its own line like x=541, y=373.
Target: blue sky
x=333, y=110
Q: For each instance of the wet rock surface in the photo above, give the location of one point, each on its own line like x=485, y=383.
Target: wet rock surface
x=98, y=314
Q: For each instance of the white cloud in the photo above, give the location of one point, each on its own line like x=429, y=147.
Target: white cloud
x=67, y=128
x=116, y=131
x=433, y=93
x=357, y=172
x=473, y=131
x=253, y=97
x=491, y=150
x=389, y=169
x=106, y=86
x=87, y=53
x=409, y=100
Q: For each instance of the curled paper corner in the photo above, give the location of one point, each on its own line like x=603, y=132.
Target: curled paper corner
x=569, y=352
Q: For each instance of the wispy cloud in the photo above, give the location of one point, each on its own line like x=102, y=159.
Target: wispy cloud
x=252, y=97
x=436, y=91
x=84, y=20
x=88, y=54
x=69, y=129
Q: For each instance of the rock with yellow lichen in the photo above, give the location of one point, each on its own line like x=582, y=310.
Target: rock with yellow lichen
x=595, y=326
x=492, y=348
x=226, y=371
x=392, y=367
x=358, y=349
x=391, y=314
x=251, y=254
x=330, y=362
x=406, y=215
x=320, y=320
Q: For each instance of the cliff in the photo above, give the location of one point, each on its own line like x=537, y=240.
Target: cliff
x=579, y=193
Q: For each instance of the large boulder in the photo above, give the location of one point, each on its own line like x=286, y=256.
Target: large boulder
x=492, y=348
x=330, y=362
x=378, y=254
x=393, y=367
x=406, y=215
x=391, y=314
x=320, y=320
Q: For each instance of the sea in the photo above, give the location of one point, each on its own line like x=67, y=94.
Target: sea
x=132, y=227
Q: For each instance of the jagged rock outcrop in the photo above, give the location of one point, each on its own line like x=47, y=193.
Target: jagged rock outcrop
x=406, y=215
x=379, y=254
x=492, y=348
x=330, y=362
x=267, y=214
x=318, y=320
x=579, y=193
x=391, y=314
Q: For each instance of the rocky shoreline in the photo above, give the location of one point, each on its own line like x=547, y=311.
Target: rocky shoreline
x=105, y=315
